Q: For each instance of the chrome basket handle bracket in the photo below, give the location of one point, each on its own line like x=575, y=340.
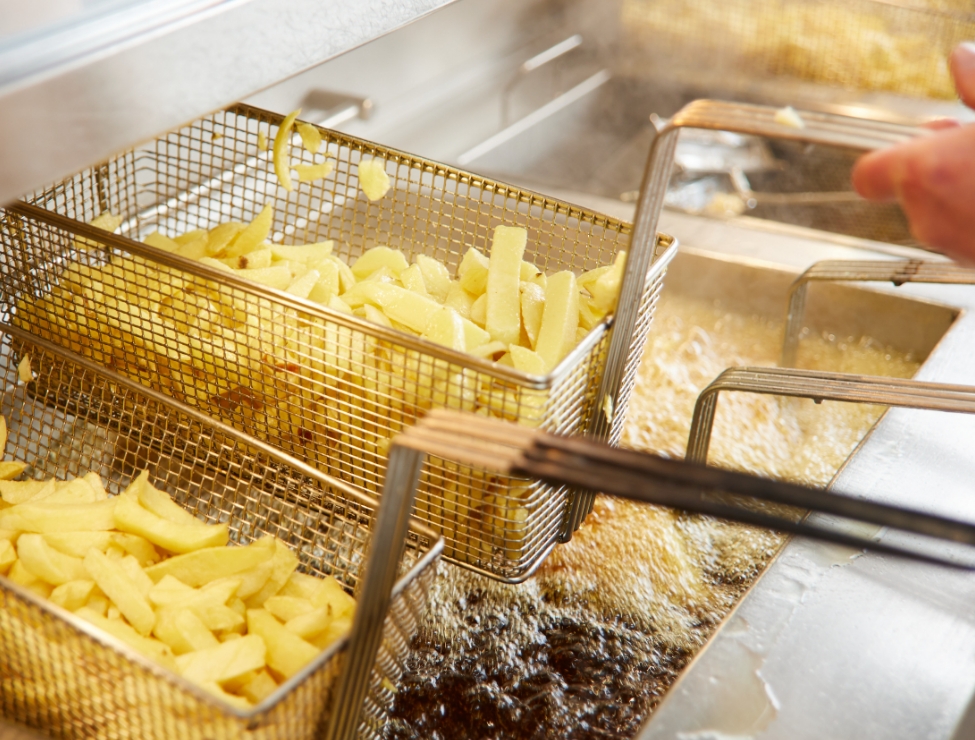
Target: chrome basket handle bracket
x=820, y=386
x=758, y=120
x=897, y=272
x=382, y=565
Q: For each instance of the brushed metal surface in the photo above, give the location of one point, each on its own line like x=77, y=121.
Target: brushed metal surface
x=831, y=642
x=73, y=97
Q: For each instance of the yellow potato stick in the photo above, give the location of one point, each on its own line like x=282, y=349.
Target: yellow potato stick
x=286, y=608
x=436, y=278
x=8, y=555
x=107, y=221
x=159, y=502
x=131, y=517
x=253, y=579
x=11, y=469
x=221, y=235
x=43, y=517
x=311, y=137
x=159, y=241
x=527, y=361
x=303, y=286
x=308, y=253
x=373, y=180
x=284, y=564
x=336, y=630
x=260, y=687
x=116, y=584
x=205, y=565
x=282, y=150
x=24, y=372
x=130, y=566
x=557, y=334
x=76, y=491
x=313, y=172
x=149, y=647
x=503, y=321
x=170, y=590
x=459, y=299
x=276, y=276
x=311, y=623
x=399, y=304
x=532, y=306
x=376, y=258
x=606, y=288
x=193, y=250
x=473, y=272
x=72, y=595
x=286, y=652
x=446, y=327
x=46, y=563
x=479, y=312
x=183, y=631
x=261, y=140
x=138, y=547
x=223, y=662
x=253, y=235
x=20, y=492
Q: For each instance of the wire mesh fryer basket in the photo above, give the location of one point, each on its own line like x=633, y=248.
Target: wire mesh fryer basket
x=329, y=388
x=63, y=676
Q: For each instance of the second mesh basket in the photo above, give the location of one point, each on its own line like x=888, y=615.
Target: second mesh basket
x=327, y=386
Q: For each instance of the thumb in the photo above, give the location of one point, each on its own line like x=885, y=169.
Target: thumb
x=963, y=71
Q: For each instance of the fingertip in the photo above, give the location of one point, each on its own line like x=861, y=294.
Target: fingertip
x=941, y=124
x=962, y=65
x=872, y=177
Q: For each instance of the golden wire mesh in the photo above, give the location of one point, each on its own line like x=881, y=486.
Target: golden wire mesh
x=900, y=46
x=326, y=387
x=67, y=678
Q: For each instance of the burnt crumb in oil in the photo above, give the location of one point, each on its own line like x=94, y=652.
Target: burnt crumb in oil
x=582, y=681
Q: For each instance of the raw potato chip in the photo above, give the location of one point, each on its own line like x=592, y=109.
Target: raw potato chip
x=312, y=172
x=24, y=372
x=503, y=317
x=282, y=150
x=373, y=179
x=311, y=137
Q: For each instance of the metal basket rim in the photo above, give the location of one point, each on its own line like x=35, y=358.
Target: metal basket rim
x=492, y=369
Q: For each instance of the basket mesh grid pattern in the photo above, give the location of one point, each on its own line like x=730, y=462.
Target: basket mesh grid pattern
x=61, y=675
x=900, y=46
x=329, y=388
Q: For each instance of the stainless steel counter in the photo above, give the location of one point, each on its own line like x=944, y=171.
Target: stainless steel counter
x=77, y=87
x=835, y=643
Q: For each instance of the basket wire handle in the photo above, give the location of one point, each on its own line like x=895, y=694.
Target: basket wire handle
x=757, y=120
x=897, y=272
x=821, y=386
x=639, y=476
x=385, y=551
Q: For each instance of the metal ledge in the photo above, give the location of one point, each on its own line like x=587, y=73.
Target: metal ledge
x=74, y=95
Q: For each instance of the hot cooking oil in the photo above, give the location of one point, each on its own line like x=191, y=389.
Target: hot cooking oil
x=588, y=646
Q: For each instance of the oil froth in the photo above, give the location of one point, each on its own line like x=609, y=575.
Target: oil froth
x=588, y=645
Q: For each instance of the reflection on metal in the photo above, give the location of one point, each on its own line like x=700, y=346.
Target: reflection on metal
x=820, y=386
x=548, y=110
x=81, y=95
x=898, y=273
x=530, y=65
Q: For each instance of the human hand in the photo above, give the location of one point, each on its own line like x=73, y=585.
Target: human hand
x=932, y=177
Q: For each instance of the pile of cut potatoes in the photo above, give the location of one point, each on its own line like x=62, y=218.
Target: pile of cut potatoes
x=323, y=390
x=236, y=620
x=499, y=306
